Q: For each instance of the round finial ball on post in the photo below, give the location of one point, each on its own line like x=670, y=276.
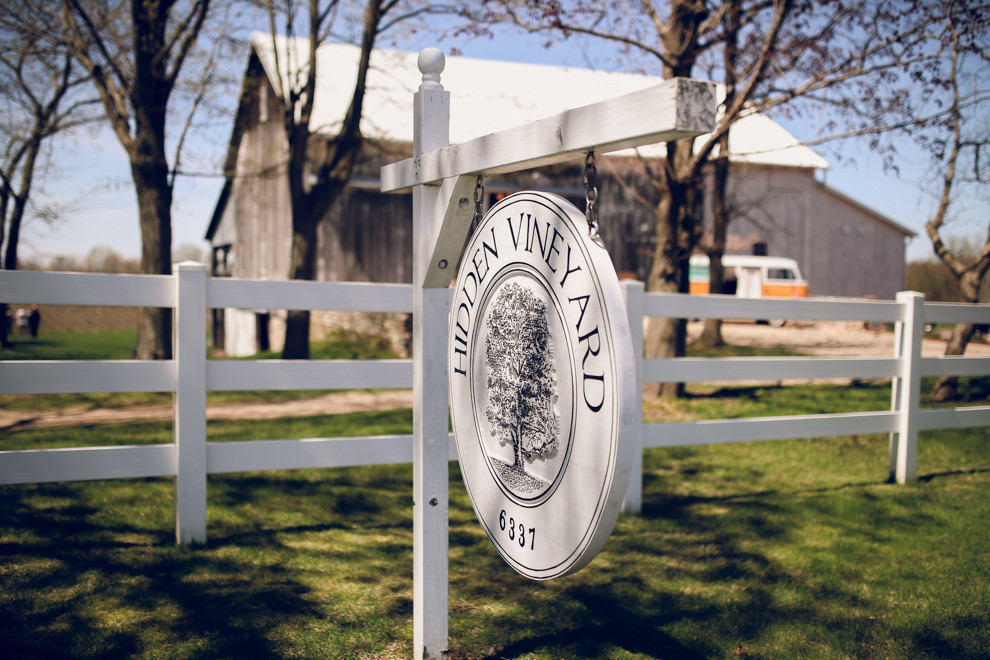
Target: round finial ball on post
x=431, y=63
x=431, y=60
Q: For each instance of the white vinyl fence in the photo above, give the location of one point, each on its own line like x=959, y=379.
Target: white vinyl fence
x=190, y=375
x=906, y=367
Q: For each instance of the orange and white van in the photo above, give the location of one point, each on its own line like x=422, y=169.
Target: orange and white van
x=748, y=276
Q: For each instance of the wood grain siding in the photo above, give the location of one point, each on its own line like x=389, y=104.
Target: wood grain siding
x=259, y=202
x=367, y=237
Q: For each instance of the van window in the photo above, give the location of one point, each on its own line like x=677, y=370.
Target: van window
x=698, y=273
x=780, y=274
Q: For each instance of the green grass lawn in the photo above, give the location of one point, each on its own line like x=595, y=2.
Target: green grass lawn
x=102, y=345
x=792, y=549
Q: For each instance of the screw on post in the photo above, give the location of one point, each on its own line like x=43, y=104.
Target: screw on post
x=591, y=194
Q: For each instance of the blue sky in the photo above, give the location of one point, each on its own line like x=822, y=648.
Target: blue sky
x=90, y=175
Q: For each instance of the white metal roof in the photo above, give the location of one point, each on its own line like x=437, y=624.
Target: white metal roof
x=489, y=96
x=746, y=261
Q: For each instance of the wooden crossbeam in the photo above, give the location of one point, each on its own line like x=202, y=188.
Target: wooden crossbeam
x=673, y=109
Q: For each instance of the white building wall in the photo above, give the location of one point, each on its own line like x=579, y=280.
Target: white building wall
x=240, y=333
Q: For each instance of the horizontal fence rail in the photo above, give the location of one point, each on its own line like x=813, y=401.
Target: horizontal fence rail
x=680, y=306
x=750, y=429
x=231, y=375
x=956, y=313
x=83, y=376
x=698, y=370
x=139, y=461
x=258, y=455
x=905, y=368
x=294, y=294
x=44, y=288
x=954, y=418
x=35, y=466
x=955, y=366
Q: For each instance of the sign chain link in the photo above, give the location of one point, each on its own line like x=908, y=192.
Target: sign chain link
x=479, y=195
x=591, y=188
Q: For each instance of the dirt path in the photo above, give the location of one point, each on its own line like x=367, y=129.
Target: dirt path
x=338, y=402
x=824, y=338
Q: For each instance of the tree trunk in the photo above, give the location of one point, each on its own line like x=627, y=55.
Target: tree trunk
x=677, y=234
x=309, y=204
x=516, y=441
x=946, y=386
x=154, y=196
x=304, y=227
x=711, y=336
x=20, y=202
x=676, y=229
x=4, y=196
x=16, y=217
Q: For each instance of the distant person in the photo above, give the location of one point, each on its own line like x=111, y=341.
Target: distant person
x=22, y=321
x=34, y=320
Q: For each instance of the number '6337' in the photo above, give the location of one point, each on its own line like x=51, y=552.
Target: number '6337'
x=517, y=531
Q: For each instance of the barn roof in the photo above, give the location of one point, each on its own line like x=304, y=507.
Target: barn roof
x=489, y=96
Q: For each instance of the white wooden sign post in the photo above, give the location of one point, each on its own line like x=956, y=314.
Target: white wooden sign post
x=442, y=179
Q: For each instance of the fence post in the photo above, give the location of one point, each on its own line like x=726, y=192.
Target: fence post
x=905, y=390
x=431, y=123
x=190, y=403
x=633, y=293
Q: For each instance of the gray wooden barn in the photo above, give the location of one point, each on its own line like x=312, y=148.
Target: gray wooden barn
x=842, y=247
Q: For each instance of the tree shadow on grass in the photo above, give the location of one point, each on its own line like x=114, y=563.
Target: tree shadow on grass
x=697, y=576
x=77, y=581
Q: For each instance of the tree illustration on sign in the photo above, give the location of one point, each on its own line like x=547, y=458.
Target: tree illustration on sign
x=522, y=381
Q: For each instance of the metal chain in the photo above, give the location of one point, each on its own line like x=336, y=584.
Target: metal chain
x=479, y=194
x=591, y=194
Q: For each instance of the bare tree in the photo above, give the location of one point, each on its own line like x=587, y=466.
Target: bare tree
x=961, y=151
x=319, y=169
x=297, y=89
x=773, y=53
x=41, y=87
x=135, y=52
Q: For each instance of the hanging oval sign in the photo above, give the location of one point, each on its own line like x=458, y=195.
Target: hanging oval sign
x=542, y=389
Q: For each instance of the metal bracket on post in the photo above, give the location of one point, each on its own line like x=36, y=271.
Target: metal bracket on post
x=449, y=226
